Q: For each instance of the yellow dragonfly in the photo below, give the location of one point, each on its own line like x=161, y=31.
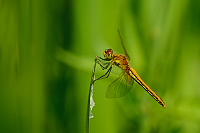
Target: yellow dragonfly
x=123, y=84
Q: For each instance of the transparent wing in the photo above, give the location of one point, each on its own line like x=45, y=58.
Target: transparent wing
x=126, y=54
x=120, y=87
x=116, y=70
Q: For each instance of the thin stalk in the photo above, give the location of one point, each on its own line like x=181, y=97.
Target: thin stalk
x=89, y=95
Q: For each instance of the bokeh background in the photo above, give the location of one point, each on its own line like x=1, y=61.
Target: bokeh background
x=47, y=51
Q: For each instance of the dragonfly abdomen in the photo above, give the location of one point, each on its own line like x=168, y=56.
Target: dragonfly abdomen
x=137, y=78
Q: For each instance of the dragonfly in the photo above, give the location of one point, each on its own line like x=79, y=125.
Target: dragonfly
x=123, y=84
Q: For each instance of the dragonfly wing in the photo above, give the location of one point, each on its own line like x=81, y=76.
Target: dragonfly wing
x=120, y=87
x=116, y=70
x=126, y=54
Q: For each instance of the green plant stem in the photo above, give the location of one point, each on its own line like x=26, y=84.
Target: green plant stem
x=88, y=104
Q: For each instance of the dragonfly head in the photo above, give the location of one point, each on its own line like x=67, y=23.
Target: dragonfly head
x=108, y=54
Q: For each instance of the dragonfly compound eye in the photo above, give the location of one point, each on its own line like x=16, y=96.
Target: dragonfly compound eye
x=108, y=53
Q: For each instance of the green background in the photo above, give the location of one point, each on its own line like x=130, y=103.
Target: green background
x=47, y=51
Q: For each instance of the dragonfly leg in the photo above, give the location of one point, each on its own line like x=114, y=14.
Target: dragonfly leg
x=106, y=75
x=103, y=65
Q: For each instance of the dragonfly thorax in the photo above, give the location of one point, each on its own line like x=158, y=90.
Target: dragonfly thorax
x=108, y=54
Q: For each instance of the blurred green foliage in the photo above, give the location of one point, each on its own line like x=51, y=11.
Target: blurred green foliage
x=47, y=51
